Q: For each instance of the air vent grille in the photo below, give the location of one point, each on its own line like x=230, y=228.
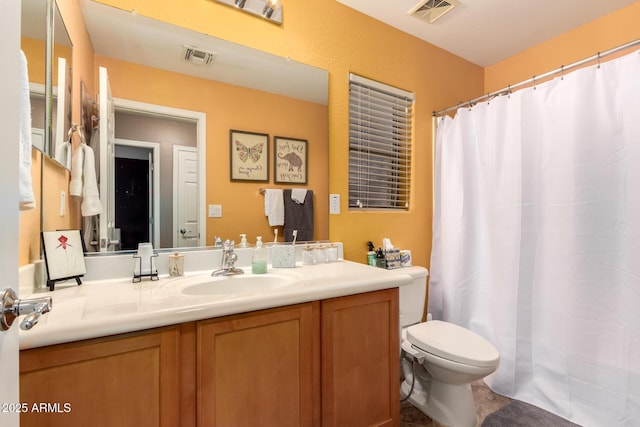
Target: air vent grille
x=198, y=56
x=431, y=10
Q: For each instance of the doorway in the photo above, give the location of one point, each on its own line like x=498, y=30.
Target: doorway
x=136, y=180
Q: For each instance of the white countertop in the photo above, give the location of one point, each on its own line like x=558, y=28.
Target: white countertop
x=107, y=307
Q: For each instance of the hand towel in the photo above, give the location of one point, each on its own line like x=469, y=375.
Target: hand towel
x=298, y=217
x=77, y=164
x=298, y=195
x=25, y=186
x=63, y=154
x=90, y=196
x=274, y=207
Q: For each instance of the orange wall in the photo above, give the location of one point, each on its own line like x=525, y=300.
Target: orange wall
x=605, y=33
x=54, y=178
x=232, y=107
x=331, y=36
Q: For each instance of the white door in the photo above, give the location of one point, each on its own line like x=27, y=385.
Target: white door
x=185, y=197
x=9, y=135
x=107, y=164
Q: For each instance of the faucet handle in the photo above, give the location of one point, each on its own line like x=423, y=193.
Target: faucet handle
x=12, y=307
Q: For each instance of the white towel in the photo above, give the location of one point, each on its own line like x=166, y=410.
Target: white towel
x=63, y=154
x=25, y=186
x=298, y=195
x=90, y=196
x=77, y=164
x=274, y=207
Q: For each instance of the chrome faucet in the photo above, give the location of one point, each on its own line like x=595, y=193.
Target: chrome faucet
x=229, y=258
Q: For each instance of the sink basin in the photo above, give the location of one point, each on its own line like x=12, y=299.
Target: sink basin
x=231, y=285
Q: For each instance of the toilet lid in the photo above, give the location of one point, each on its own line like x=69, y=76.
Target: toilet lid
x=453, y=342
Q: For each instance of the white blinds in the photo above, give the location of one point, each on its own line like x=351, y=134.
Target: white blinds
x=380, y=124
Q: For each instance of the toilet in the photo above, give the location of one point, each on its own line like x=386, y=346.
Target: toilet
x=443, y=357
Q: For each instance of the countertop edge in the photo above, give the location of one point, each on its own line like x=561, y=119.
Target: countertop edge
x=356, y=279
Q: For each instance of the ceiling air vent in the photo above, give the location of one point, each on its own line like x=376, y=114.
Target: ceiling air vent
x=198, y=56
x=430, y=10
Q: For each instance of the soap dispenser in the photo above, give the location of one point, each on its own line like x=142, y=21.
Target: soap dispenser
x=259, y=260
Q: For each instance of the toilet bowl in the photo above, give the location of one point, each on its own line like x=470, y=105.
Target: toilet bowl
x=440, y=360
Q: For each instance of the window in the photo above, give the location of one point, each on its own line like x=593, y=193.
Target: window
x=380, y=125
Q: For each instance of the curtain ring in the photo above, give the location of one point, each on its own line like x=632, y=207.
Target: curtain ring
x=509, y=92
x=488, y=98
x=562, y=72
x=534, y=82
x=469, y=104
x=598, y=60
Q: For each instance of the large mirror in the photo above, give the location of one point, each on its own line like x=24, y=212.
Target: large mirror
x=48, y=48
x=176, y=94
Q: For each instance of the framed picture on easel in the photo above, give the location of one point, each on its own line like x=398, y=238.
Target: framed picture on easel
x=63, y=255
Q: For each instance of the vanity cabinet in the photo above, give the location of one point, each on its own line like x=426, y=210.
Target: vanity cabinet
x=360, y=360
x=259, y=369
x=128, y=380
x=324, y=363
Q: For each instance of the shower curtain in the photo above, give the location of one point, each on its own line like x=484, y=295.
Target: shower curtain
x=536, y=239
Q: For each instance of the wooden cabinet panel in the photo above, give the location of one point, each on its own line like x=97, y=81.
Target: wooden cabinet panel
x=360, y=363
x=257, y=369
x=128, y=380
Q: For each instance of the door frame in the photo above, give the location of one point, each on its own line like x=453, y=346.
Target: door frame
x=10, y=135
x=201, y=135
x=154, y=147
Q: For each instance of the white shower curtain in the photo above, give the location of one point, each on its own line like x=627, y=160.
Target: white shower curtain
x=536, y=239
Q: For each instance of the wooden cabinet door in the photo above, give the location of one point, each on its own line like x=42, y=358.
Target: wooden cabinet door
x=257, y=369
x=360, y=360
x=127, y=380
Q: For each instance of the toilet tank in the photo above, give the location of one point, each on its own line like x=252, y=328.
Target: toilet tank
x=413, y=295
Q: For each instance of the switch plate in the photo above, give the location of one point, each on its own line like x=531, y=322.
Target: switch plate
x=63, y=203
x=215, y=211
x=334, y=204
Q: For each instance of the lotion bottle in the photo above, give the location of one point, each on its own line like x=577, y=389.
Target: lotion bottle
x=259, y=259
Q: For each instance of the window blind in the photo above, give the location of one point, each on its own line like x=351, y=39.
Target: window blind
x=380, y=126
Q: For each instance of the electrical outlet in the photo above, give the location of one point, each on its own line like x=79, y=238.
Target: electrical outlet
x=215, y=211
x=334, y=204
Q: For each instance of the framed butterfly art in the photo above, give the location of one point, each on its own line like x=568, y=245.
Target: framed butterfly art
x=249, y=153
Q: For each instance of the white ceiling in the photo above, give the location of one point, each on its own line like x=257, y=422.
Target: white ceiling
x=487, y=31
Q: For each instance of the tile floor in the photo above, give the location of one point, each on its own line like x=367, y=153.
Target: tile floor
x=486, y=402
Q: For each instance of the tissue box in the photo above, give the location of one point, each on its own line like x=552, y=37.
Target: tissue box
x=405, y=258
x=283, y=256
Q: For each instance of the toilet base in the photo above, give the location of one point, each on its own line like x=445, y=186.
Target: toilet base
x=448, y=404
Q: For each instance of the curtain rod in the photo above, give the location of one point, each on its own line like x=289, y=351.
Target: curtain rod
x=533, y=80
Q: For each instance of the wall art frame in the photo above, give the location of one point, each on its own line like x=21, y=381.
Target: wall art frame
x=290, y=160
x=249, y=156
x=63, y=255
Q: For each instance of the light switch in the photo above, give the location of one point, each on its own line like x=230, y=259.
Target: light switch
x=63, y=203
x=334, y=204
x=215, y=211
